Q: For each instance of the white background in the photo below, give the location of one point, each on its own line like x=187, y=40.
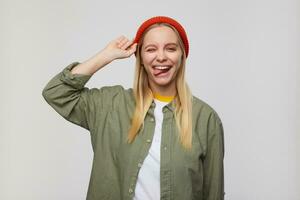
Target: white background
x=244, y=61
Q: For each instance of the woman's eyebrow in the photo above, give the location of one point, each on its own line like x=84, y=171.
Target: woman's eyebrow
x=170, y=43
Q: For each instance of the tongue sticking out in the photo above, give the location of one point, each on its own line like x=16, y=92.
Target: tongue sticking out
x=158, y=72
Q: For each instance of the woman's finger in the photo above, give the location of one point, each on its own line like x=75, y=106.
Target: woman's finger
x=122, y=42
x=126, y=45
x=132, y=49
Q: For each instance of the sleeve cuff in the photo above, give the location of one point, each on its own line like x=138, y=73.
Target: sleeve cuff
x=75, y=80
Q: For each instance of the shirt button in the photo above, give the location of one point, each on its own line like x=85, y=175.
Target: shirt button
x=165, y=148
x=152, y=119
x=130, y=190
x=148, y=141
x=140, y=165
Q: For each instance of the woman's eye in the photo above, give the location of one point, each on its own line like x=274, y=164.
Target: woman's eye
x=150, y=50
x=171, y=49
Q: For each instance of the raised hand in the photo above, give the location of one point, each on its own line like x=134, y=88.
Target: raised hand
x=119, y=48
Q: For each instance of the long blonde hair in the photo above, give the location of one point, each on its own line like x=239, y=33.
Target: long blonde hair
x=144, y=97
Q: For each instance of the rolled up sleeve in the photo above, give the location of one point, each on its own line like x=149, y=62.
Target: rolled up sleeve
x=66, y=94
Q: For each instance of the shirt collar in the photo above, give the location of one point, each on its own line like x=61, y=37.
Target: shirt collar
x=170, y=105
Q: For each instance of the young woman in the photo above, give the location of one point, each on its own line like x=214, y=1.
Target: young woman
x=155, y=140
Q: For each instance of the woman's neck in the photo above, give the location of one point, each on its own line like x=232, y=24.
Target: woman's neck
x=164, y=91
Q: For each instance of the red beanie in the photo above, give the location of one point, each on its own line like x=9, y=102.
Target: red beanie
x=168, y=20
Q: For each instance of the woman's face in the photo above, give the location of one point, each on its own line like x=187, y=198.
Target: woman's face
x=161, y=56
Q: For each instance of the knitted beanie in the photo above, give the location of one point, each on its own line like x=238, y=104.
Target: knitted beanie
x=168, y=20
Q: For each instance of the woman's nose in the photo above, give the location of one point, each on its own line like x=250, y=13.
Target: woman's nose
x=161, y=55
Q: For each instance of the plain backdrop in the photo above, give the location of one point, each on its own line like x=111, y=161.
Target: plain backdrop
x=244, y=61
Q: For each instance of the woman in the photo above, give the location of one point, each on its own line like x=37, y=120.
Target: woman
x=155, y=141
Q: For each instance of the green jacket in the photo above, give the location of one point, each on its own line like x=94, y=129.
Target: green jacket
x=106, y=113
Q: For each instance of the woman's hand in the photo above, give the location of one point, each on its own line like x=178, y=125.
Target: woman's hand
x=116, y=49
x=119, y=48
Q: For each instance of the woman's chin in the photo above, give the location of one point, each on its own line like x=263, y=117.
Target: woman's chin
x=162, y=81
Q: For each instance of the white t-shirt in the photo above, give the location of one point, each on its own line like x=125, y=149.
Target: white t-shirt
x=148, y=182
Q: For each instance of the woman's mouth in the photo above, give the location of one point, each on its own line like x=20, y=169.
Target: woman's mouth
x=161, y=70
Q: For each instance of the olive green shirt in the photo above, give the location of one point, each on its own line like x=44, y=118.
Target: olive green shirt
x=106, y=113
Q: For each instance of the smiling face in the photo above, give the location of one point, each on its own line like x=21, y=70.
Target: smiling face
x=161, y=56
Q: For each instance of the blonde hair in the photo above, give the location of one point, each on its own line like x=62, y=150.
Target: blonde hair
x=144, y=97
